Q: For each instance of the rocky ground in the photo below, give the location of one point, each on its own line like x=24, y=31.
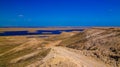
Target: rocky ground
x=94, y=47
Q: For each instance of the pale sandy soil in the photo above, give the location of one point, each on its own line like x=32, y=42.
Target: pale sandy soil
x=60, y=54
x=96, y=47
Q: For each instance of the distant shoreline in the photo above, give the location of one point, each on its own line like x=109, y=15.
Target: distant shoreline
x=44, y=26
x=53, y=26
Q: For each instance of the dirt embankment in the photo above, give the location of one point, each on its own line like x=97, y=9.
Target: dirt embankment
x=61, y=57
x=95, y=47
x=100, y=43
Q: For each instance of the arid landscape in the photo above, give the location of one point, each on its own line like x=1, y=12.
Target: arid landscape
x=93, y=47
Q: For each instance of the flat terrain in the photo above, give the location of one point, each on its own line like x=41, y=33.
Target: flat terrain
x=94, y=47
x=35, y=29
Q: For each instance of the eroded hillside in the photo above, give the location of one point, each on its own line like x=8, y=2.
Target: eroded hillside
x=100, y=43
x=94, y=47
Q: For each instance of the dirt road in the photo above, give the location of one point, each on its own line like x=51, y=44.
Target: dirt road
x=61, y=54
x=80, y=60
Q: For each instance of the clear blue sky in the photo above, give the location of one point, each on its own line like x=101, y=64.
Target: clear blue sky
x=59, y=12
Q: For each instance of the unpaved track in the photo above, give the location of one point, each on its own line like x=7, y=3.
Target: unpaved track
x=80, y=60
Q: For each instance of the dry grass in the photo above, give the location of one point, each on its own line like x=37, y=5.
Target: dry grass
x=102, y=44
x=8, y=43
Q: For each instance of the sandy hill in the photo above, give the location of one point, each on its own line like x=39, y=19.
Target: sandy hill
x=100, y=43
x=94, y=47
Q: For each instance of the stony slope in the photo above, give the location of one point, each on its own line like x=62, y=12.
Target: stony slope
x=100, y=43
x=95, y=47
x=62, y=57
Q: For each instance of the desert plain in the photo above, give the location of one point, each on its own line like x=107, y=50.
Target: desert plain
x=92, y=47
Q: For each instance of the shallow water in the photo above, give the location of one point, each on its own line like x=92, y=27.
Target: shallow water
x=13, y=33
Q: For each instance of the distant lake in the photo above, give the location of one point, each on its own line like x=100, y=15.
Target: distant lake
x=38, y=32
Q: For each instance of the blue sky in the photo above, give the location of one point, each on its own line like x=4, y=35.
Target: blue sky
x=59, y=12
